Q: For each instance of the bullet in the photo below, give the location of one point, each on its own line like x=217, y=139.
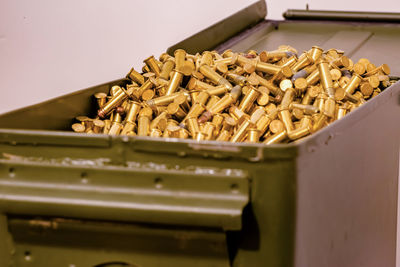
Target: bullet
x=78, y=128
x=135, y=76
x=113, y=103
x=101, y=99
x=174, y=82
x=166, y=69
x=276, y=138
x=152, y=64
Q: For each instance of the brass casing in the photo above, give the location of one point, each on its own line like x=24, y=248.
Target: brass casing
x=152, y=64
x=202, y=97
x=299, y=133
x=208, y=130
x=166, y=69
x=101, y=99
x=248, y=100
x=174, y=82
x=319, y=122
x=175, y=110
x=128, y=127
x=155, y=132
x=135, y=76
x=211, y=102
x=315, y=53
x=193, y=126
x=253, y=135
x=286, y=119
x=224, y=136
x=196, y=110
x=162, y=100
x=180, y=56
x=115, y=129
x=353, y=84
x=241, y=131
x=237, y=79
x=276, y=138
x=113, y=103
x=313, y=78
x=143, y=126
x=326, y=78
x=290, y=93
x=268, y=68
x=133, y=111
x=303, y=61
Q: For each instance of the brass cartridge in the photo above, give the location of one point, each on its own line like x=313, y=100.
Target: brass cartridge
x=183, y=133
x=366, y=89
x=133, y=111
x=276, y=138
x=144, y=121
x=335, y=74
x=163, y=100
x=107, y=126
x=208, y=130
x=329, y=108
x=128, y=127
x=242, y=130
x=98, y=126
x=359, y=68
x=342, y=110
x=303, y=61
x=155, y=132
x=180, y=57
x=290, y=93
x=307, y=109
x=160, y=122
x=166, y=69
x=115, y=129
x=183, y=101
x=217, y=120
x=193, y=126
x=326, y=78
x=306, y=121
x=227, y=100
x=176, y=111
x=236, y=79
x=286, y=119
x=196, y=110
x=211, y=102
x=78, y=128
x=268, y=68
x=195, y=84
x=270, y=86
x=206, y=58
x=174, y=82
x=101, y=99
x=135, y=76
x=319, y=122
x=300, y=85
x=299, y=133
x=253, y=135
x=236, y=113
x=112, y=103
x=320, y=102
x=224, y=136
x=202, y=97
x=285, y=84
x=276, y=126
x=383, y=68
x=148, y=94
x=313, y=78
x=249, y=99
x=214, y=76
x=353, y=84
x=263, y=98
x=200, y=136
x=315, y=53
x=152, y=64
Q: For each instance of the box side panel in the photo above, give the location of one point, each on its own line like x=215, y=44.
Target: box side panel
x=347, y=188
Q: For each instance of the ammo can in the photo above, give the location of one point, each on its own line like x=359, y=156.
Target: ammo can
x=330, y=199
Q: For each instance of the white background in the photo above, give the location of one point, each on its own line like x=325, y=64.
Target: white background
x=50, y=48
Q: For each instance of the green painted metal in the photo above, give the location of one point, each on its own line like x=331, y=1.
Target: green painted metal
x=301, y=14
x=74, y=200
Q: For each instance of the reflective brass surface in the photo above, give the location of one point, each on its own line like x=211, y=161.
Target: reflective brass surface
x=276, y=95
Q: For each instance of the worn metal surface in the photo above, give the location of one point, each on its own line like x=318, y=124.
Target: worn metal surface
x=327, y=200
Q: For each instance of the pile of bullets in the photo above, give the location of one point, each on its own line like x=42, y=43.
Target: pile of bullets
x=270, y=97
